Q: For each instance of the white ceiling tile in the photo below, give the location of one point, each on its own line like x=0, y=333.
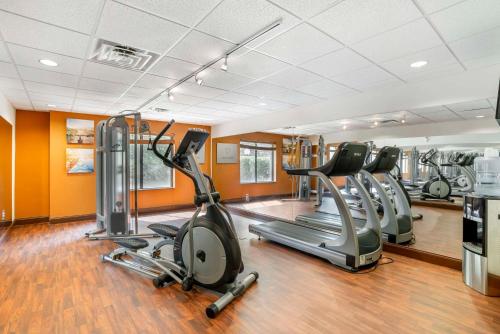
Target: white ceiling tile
x=467, y=18
x=95, y=96
x=337, y=62
x=173, y=68
x=79, y=103
x=186, y=12
x=144, y=93
x=294, y=97
x=293, y=77
x=50, y=98
x=239, y=99
x=79, y=15
x=41, y=106
x=479, y=50
x=354, y=20
x=154, y=82
x=4, y=56
x=49, y=89
x=102, y=86
x=125, y=25
x=365, y=78
x=254, y=65
x=479, y=113
x=439, y=72
x=299, y=44
x=410, y=38
x=431, y=6
x=187, y=99
x=43, y=36
x=166, y=104
x=110, y=73
x=262, y=90
x=200, y=48
x=88, y=109
x=194, y=89
x=275, y=105
x=13, y=93
x=21, y=105
x=30, y=57
x=442, y=116
x=436, y=58
x=428, y=110
x=469, y=105
x=305, y=8
x=48, y=77
x=236, y=20
x=215, y=77
x=326, y=89
x=10, y=83
x=8, y=70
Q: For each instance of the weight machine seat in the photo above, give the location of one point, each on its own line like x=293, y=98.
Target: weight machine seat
x=167, y=231
x=347, y=160
x=132, y=243
x=384, y=162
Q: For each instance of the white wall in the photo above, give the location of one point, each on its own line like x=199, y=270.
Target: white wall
x=8, y=112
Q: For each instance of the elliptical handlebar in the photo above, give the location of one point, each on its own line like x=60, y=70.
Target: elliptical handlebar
x=163, y=157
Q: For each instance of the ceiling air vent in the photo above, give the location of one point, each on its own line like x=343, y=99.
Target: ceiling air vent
x=122, y=56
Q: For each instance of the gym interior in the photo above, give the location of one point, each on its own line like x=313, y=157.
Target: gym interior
x=264, y=166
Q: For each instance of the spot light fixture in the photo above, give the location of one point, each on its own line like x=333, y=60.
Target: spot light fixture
x=224, y=65
x=199, y=81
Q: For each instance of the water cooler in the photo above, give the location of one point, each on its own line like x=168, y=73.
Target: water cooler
x=481, y=243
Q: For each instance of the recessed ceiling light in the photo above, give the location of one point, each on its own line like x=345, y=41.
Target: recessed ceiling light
x=48, y=62
x=51, y=106
x=262, y=104
x=344, y=127
x=418, y=64
x=479, y=116
x=403, y=121
x=375, y=123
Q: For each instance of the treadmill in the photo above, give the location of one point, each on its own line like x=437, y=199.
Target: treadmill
x=396, y=222
x=349, y=247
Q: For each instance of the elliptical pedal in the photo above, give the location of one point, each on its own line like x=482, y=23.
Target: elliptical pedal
x=167, y=231
x=133, y=243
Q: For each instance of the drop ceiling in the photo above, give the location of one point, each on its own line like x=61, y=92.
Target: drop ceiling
x=324, y=50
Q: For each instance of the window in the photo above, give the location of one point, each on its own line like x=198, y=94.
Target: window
x=257, y=162
x=153, y=174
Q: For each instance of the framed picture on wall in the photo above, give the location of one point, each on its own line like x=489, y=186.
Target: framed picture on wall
x=79, y=131
x=79, y=160
x=227, y=153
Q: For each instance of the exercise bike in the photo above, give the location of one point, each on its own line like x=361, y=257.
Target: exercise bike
x=213, y=259
x=437, y=187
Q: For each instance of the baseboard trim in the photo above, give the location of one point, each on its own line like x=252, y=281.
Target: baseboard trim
x=68, y=219
x=5, y=223
x=440, y=260
x=413, y=253
x=30, y=220
x=437, y=204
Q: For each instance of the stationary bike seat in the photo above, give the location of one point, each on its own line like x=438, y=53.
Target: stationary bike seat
x=167, y=231
x=132, y=243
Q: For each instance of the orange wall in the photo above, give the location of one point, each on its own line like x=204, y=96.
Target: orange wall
x=32, y=164
x=6, y=168
x=227, y=176
x=74, y=194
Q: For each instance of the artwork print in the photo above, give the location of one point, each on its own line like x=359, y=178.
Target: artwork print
x=79, y=160
x=79, y=131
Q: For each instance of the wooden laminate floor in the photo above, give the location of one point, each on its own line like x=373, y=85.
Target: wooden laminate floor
x=53, y=282
x=439, y=232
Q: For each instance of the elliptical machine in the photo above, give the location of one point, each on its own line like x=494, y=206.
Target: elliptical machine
x=437, y=187
x=213, y=259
